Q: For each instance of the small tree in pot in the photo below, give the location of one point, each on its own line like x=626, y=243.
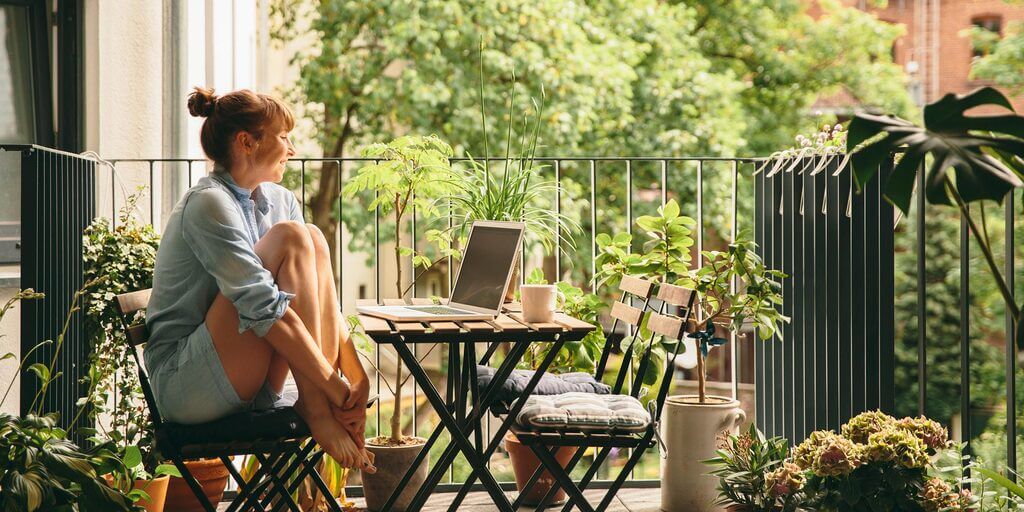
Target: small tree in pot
x=732, y=287
x=412, y=173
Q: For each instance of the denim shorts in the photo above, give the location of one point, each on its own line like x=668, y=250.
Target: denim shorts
x=191, y=386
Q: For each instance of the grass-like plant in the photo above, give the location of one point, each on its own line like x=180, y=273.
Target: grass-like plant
x=518, y=192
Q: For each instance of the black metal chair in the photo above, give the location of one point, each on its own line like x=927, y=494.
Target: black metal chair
x=278, y=438
x=545, y=443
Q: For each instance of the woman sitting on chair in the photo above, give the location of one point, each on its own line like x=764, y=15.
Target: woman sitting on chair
x=243, y=290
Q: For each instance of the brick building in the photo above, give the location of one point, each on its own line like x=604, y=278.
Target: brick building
x=935, y=51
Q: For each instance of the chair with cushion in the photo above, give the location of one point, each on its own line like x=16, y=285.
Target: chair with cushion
x=278, y=438
x=616, y=420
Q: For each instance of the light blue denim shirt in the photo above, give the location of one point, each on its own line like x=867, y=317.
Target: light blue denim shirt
x=208, y=247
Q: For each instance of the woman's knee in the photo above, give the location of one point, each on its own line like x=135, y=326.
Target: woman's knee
x=323, y=250
x=291, y=236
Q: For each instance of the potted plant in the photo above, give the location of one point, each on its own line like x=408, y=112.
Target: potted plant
x=691, y=423
x=732, y=287
x=575, y=356
x=413, y=172
x=754, y=475
x=510, y=189
x=42, y=468
x=118, y=260
x=877, y=462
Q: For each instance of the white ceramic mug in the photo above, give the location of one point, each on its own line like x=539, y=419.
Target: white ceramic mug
x=539, y=302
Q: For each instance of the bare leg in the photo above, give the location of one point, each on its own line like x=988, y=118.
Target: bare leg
x=287, y=251
x=336, y=342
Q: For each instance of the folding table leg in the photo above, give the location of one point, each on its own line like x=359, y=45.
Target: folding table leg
x=457, y=435
x=548, y=460
x=489, y=395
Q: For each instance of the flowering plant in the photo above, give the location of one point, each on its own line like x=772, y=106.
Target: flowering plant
x=876, y=463
x=754, y=475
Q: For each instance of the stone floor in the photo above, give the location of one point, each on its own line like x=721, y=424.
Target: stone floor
x=627, y=500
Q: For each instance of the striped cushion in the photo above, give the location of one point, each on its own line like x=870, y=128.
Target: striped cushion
x=584, y=411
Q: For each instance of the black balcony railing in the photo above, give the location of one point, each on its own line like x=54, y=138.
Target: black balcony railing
x=608, y=194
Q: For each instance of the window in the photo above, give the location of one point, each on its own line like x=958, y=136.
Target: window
x=16, y=98
x=987, y=32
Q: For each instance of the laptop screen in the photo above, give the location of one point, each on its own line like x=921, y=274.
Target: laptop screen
x=486, y=265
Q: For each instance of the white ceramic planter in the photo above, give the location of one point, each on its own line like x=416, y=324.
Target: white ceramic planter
x=689, y=430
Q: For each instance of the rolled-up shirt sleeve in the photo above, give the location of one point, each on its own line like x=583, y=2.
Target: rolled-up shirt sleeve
x=295, y=209
x=215, y=231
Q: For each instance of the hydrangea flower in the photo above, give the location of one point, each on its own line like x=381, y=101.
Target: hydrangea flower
x=930, y=432
x=861, y=426
x=899, y=446
x=828, y=454
x=784, y=481
x=938, y=495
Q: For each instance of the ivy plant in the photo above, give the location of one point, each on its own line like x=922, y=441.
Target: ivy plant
x=117, y=260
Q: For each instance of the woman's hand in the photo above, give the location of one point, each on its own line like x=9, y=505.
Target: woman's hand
x=359, y=393
x=340, y=391
x=354, y=421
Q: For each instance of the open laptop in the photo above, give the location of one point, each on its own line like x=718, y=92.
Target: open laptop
x=480, y=285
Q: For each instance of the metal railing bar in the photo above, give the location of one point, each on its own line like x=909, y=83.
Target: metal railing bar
x=733, y=352
x=593, y=227
x=558, y=213
x=1011, y=353
x=922, y=298
x=965, y=340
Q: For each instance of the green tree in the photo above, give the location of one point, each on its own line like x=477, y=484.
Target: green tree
x=638, y=77
x=942, y=309
x=1002, y=58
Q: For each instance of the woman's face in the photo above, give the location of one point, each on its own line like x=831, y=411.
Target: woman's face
x=271, y=153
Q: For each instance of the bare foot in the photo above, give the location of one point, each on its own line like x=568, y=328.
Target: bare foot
x=331, y=436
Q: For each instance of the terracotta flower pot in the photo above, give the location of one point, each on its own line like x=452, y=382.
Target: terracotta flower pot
x=392, y=462
x=689, y=429
x=212, y=476
x=156, y=489
x=525, y=463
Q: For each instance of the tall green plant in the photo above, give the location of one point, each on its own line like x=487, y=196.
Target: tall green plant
x=517, y=192
x=413, y=172
x=965, y=159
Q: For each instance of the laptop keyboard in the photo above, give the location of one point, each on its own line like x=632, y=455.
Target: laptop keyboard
x=439, y=310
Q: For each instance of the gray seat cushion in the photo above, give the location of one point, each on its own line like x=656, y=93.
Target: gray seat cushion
x=550, y=384
x=584, y=411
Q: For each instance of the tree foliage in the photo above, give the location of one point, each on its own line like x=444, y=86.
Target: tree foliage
x=641, y=77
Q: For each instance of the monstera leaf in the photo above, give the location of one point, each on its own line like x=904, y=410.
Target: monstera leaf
x=984, y=152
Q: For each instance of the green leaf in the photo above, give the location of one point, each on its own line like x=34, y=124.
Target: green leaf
x=41, y=371
x=980, y=169
x=166, y=469
x=132, y=456
x=1002, y=481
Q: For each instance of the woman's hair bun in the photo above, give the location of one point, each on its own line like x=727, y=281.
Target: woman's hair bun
x=201, y=102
